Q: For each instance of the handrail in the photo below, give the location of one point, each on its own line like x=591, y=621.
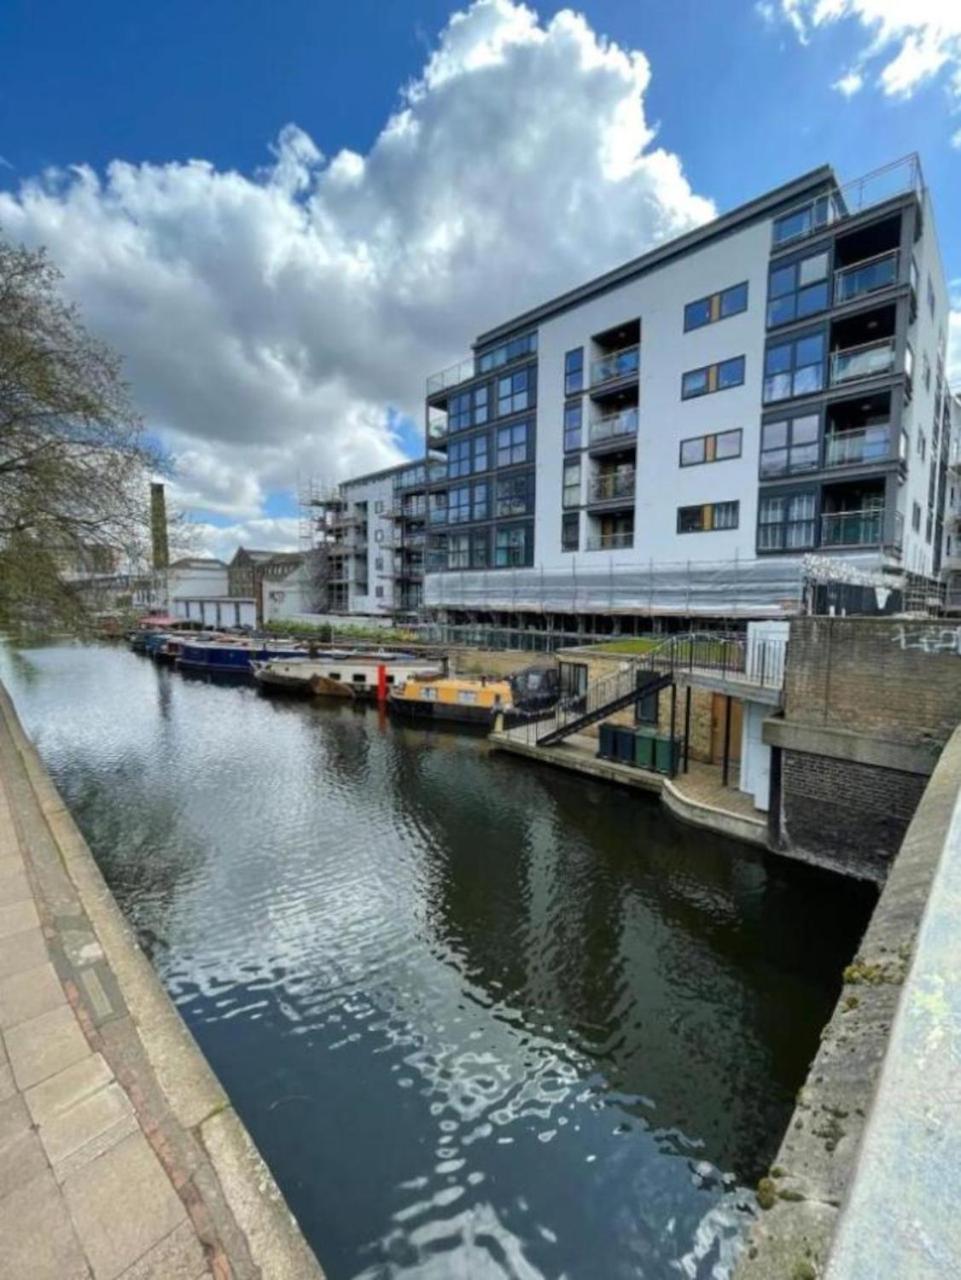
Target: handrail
x=615, y=364
x=857, y=444
x=610, y=541
x=607, y=488
x=611, y=425
x=850, y=358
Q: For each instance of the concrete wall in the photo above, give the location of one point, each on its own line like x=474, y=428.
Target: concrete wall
x=195, y=580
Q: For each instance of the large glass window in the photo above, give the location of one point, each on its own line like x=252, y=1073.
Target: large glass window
x=787, y=523
x=480, y=549
x=458, y=505
x=713, y=448
x=469, y=408
x=789, y=446
x=794, y=368
x=480, y=501
x=458, y=551
x=712, y=377
x=574, y=371
x=507, y=352
x=481, y=401
x=573, y=423
x=570, y=532
x=717, y=306
x=798, y=289
x=513, y=444
x=709, y=518
x=801, y=222
x=512, y=547
x=459, y=459
x=514, y=494
x=515, y=392
x=572, y=484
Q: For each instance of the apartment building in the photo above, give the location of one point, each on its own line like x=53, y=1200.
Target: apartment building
x=678, y=434
x=371, y=533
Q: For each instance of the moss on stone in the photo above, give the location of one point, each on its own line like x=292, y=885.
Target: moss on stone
x=766, y=1193
x=804, y=1270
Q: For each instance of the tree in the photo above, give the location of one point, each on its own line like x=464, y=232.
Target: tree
x=74, y=459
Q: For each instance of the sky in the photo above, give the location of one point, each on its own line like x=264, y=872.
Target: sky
x=286, y=215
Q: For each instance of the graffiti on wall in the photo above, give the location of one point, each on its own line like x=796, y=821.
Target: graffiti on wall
x=928, y=639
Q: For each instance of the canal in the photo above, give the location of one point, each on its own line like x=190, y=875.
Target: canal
x=483, y=1019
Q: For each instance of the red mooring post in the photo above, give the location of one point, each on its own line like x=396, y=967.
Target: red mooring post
x=381, y=683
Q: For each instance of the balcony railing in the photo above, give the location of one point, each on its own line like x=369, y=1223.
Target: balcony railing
x=610, y=541
x=857, y=528
x=866, y=277
x=614, y=426
x=864, y=444
x=608, y=488
x=436, y=430
x=615, y=365
x=451, y=377
x=897, y=178
x=865, y=361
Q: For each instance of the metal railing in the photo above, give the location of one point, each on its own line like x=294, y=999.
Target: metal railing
x=454, y=374
x=613, y=426
x=437, y=429
x=860, y=444
x=610, y=487
x=866, y=276
x=610, y=541
x=897, y=178
x=864, y=361
x=614, y=365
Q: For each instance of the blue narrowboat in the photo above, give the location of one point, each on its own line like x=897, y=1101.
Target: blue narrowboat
x=232, y=657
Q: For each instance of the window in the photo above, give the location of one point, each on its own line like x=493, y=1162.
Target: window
x=480, y=549
x=514, y=494
x=794, y=368
x=378, y=562
x=378, y=506
x=458, y=551
x=479, y=503
x=437, y=511
x=458, y=459
x=570, y=532
x=717, y=306
x=710, y=518
x=571, y=489
x=379, y=592
x=458, y=505
x=512, y=547
x=789, y=445
x=922, y=445
x=469, y=408
x=801, y=222
x=787, y=523
x=481, y=402
x=798, y=289
x=713, y=448
x=515, y=392
x=507, y=352
x=713, y=377
x=916, y=517
x=926, y=370
x=930, y=296
x=574, y=371
x=512, y=444
x=573, y=422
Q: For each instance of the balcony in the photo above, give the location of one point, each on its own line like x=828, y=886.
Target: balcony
x=866, y=277
x=452, y=376
x=615, y=366
x=613, y=427
x=864, y=528
x=869, y=360
x=612, y=487
x=898, y=178
x=437, y=431
x=610, y=541
x=852, y=448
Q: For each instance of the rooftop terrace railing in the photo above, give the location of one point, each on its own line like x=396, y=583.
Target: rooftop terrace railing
x=811, y=216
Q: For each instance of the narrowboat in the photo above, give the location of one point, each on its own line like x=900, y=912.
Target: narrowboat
x=478, y=700
x=340, y=674
x=232, y=657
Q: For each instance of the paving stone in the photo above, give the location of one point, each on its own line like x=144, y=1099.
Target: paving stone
x=37, y=1240
x=21, y=1158
x=10, y=863
x=7, y=1086
x=67, y=1088
x=22, y=951
x=121, y=1206
x=77, y=1135
x=177, y=1257
x=14, y=886
x=40, y=1047
x=14, y=1119
x=28, y=994
x=17, y=917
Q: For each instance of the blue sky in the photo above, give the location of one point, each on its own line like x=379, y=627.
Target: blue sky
x=738, y=96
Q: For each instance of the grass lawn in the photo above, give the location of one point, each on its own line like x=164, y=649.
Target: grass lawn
x=630, y=644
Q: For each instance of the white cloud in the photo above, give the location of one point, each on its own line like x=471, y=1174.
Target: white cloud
x=201, y=538
x=849, y=84
x=269, y=321
x=908, y=42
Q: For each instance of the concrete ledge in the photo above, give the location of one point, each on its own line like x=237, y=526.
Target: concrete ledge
x=844, y=744
x=889, y=1159
x=712, y=818
x=130, y=1019
x=590, y=766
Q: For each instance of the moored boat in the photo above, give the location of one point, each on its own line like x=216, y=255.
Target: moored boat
x=341, y=674
x=232, y=657
x=478, y=700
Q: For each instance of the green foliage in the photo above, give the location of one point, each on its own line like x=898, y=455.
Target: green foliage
x=327, y=634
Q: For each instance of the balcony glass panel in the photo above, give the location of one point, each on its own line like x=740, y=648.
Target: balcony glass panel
x=865, y=361
x=610, y=541
x=607, y=488
x=852, y=528
x=866, y=444
x=614, y=426
x=617, y=364
x=866, y=277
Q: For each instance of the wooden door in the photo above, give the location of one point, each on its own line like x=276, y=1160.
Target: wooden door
x=717, y=730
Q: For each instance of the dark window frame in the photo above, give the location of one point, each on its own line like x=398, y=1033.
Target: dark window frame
x=574, y=371
x=709, y=300
x=715, y=368
x=715, y=436
x=797, y=290
x=785, y=522
x=574, y=407
x=570, y=520
x=712, y=507
x=793, y=342
x=791, y=444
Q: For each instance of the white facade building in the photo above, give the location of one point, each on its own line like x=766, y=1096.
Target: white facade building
x=196, y=577
x=675, y=436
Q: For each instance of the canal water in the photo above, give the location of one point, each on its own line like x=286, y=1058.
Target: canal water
x=483, y=1019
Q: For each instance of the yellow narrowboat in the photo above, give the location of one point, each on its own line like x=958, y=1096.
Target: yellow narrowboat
x=479, y=699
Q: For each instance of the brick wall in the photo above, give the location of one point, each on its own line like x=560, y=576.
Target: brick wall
x=844, y=815
x=899, y=680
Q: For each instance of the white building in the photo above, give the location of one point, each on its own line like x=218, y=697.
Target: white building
x=290, y=596
x=196, y=577
x=674, y=436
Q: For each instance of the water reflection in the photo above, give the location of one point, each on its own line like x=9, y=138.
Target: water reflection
x=484, y=1020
